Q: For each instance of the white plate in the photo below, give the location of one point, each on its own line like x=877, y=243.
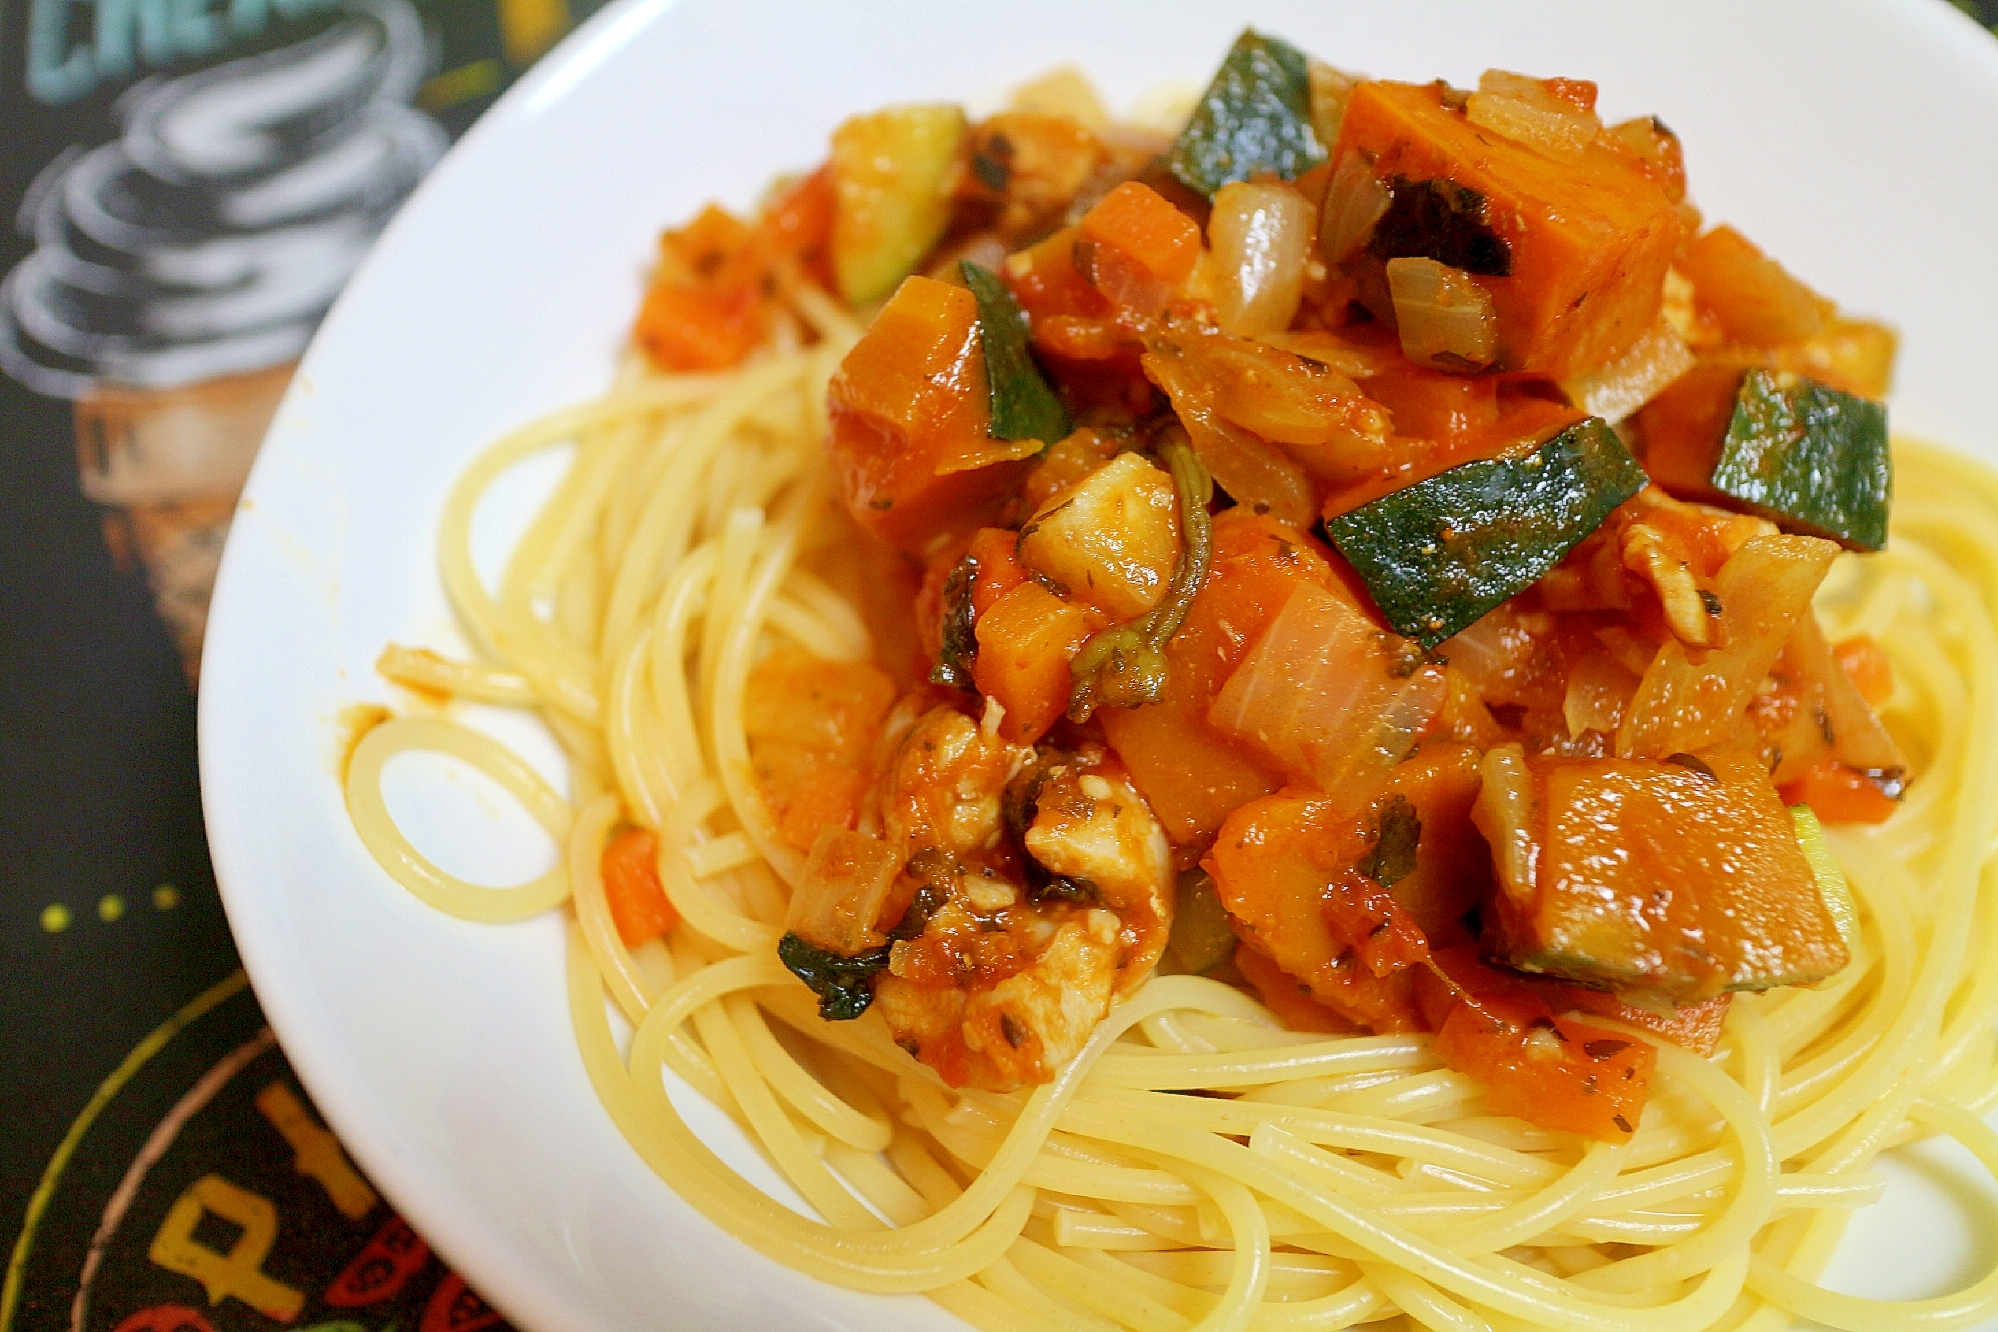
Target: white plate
x=1857, y=141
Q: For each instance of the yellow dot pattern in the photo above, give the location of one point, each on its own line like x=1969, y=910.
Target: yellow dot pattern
x=55, y=918
x=110, y=907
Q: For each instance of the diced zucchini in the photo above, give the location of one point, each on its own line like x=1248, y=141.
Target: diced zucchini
x=891, y=176
x=1254, y=118
x=1438, y=554
x=1202, y=938
x=1023, y=405
x=1832, y=887
x=1808, y=457
x=1670, y=880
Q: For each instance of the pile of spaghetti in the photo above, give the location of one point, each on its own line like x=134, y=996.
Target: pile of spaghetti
x=1262, y=725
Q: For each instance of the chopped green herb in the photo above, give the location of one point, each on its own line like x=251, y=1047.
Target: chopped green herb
x=1023, y=405
x=960, y=637
x=841, y=983
x=1254, y=118
x=1440, y=220
x=1392, y=856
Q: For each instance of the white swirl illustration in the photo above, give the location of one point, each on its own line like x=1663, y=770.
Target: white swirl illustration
x=211, y=236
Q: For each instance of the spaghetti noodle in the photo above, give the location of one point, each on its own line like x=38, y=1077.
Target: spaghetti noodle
x=1308, y=1180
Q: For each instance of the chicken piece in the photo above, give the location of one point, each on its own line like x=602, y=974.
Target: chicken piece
x=944, y=788
x=1032, y=895
x=1093, y=829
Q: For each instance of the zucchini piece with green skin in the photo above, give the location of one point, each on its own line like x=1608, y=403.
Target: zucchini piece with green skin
x=1023, y=404
x=1254, y=118
x=1809, y=458
x=891, y=196
x=1832, y=886
x=1439, y=554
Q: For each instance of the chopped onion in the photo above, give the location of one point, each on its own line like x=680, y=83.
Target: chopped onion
x=839, y=897
x=1599, y=690
x=1503, y=812
x=1858, y=738
x=1446, y=321
x=1251, y=469
x=1527, y=111
x=1618, y=389
x=1330, y=88
x=1316, y=693
x=1354, y=201
x=1260, y=235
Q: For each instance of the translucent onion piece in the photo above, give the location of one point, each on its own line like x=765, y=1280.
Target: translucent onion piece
x=1445, y=319
x=837, y=900
x=1317, y=694
x=1354, y=201
x=1260, y=235
x=1525, y=110
x=1616, y=390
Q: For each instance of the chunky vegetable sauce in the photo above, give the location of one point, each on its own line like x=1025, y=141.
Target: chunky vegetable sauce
x=1361, y=547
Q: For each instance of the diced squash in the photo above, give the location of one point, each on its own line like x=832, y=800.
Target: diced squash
x=1439, y=554
x=892, y=176
x=1673, y=880
x=1289, y=998
x=1749, y=293
x=909, y=410
x=1024, y=643
x=1110, y=540
x=1585, y=244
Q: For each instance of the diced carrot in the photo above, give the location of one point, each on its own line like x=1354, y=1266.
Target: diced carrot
x=1838, y=794
x=1869, y=666
x=638, y=905
x=999, y=570
x=911, y=398
x=1138, y=222
x=1589, y=241
x=706, y=308
x=698, y=328
x=1024, y=644
x=1045, y=281
x=1756, y=301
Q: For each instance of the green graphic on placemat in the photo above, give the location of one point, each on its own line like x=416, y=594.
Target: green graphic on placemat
x=234, y=1209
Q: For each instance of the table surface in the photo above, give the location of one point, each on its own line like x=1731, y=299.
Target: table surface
x=161, y=1169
